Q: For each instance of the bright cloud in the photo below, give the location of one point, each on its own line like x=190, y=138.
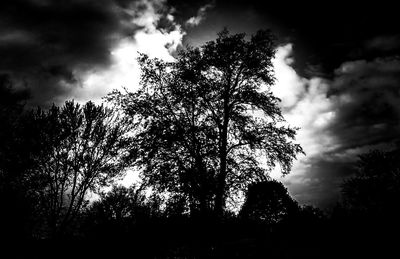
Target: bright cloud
x=340, y=118
x=124, y=70
x=305, y=104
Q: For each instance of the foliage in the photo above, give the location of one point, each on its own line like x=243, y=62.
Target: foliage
x=81, y=149
x=269, y=202
x=119, y=203
x=201, y=122
x=375, y=189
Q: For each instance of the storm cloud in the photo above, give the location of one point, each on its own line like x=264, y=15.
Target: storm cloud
x=339, y=118
x=324, y=34
x=46, y=45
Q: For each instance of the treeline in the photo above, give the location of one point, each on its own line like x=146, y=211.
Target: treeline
x=53, y=161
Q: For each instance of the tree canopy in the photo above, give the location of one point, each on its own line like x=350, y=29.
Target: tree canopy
x=62, y=154
x=203, y=122
x=268, y=201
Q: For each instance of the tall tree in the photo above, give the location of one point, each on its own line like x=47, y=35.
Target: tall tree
x=83, y=149
x=203, y=121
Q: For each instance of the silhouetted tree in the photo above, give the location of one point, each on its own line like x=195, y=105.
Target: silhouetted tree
x=176, y=206
x=83, y=149
x=375, y=189
x=117, y=212
x=202, y=121
x=120, y=203
x=17, y=206
x=311, y=213
x=269, y=202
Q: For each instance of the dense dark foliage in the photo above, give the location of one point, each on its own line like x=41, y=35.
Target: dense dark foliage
x=204, y=122
x=55, y=158
x=375, y=190
x=268, y=201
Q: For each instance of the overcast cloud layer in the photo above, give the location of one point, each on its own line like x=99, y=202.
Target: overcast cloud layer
x=337, y=65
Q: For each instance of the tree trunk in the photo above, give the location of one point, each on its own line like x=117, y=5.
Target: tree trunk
x=221, y=178
x=220, y=192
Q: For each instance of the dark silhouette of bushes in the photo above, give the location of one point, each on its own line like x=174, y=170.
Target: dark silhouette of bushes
x=268, y=201
x=374, y=191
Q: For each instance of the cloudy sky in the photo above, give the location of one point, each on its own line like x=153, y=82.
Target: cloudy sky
x=337, y=65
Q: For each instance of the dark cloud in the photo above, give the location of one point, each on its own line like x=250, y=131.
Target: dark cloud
x=369, y=112
x=364, y=97
x=324, y=33
x=245, y=19
x=9, y=97
x=184, y=10
x=320, y=186
x=46, y=43
x=384, y=43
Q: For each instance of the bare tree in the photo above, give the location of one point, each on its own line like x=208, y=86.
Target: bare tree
x=85, y=148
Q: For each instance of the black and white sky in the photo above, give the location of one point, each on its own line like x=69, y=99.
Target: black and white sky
x=337, y=65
